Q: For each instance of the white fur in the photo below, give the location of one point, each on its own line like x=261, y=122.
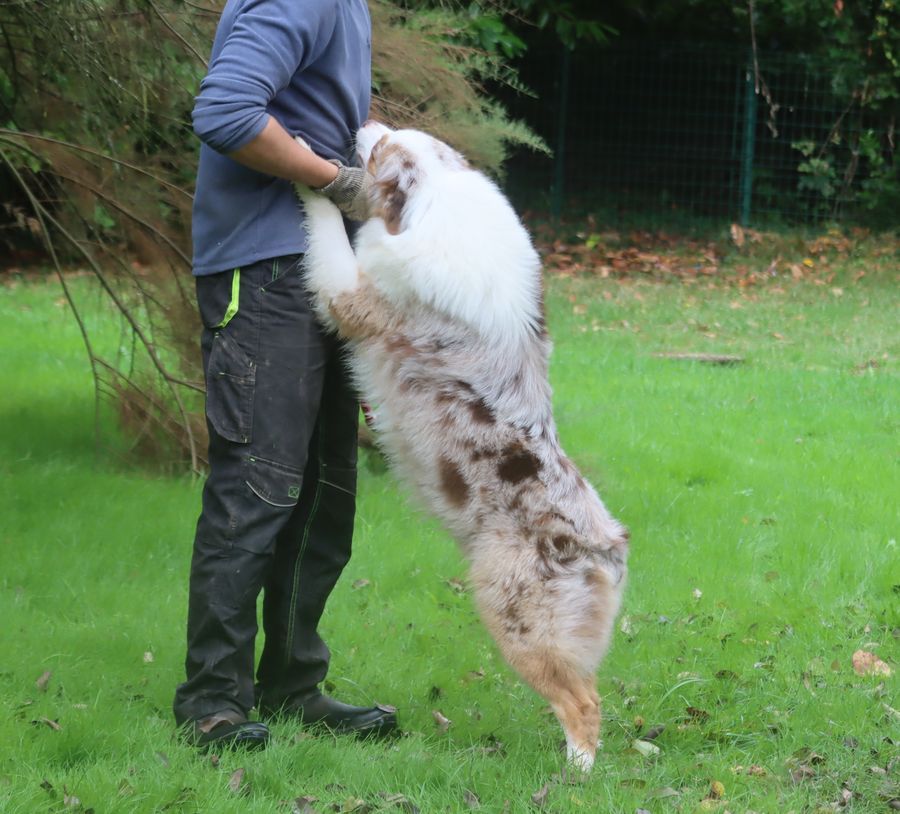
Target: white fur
x=456, y=370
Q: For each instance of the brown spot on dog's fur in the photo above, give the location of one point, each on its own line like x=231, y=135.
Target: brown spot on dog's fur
x=516, y=502
x=481, y=413
x=593, y=579
x=399, y=345
x=393, y=199
x=543, y=552
x=453, y=484
x=542, y=315
x=518, y=464
x=561, y=542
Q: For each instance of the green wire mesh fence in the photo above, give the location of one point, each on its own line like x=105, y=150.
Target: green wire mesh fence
x=691, y=130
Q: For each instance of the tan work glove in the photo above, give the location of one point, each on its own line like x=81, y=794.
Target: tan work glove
x=349, y=191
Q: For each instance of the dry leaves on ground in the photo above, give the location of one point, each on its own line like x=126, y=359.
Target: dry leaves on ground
x=868, y=664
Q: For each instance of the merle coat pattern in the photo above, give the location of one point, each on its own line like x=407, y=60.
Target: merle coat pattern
x=441, y=303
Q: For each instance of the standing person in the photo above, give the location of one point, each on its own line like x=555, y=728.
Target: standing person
x=278, y=504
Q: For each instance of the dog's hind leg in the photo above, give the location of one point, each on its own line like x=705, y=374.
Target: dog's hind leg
x=572, y=696
x=549, y=632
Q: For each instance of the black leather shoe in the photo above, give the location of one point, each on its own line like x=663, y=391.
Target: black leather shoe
x=227, y=731
x=321, y=711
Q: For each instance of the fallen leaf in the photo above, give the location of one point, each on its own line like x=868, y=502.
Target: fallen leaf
x=802, y=773
x=304, y=805
x=442, y=721
x=43, y=681
x=236, y=784
x=890, y=711
x=539, y=798
x=360, y=583
x=458, y=586
x=645, y=748
x=697, y=714
x=54, y=725
x=716, y=790
x=844, y=799
x=356, y=805
x=470, y=798
x=737, y=235
x=729, y=675
x=653, y=732
x=866, y=663
x=400, y=801
x=633, y=782
x=662, y=793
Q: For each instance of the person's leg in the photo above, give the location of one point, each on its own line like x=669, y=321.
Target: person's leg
x=265, y=365
x=312, y=550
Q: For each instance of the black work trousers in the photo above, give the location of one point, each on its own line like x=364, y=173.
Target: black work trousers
x=278, y=504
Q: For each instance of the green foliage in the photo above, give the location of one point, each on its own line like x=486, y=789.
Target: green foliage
x=430, y=71
x=572, y=22
x=96, y=146
x=858, y=45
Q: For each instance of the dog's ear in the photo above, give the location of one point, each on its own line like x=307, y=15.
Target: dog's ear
x=393, y=200
x=395, y=171
x=372, y=163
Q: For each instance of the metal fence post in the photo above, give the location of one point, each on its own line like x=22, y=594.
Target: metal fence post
x=748, y=144
x=559, y=164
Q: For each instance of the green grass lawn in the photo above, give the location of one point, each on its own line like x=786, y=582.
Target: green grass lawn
x=762, y=500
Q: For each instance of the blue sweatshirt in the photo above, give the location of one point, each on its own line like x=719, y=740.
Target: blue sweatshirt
x=308, y=64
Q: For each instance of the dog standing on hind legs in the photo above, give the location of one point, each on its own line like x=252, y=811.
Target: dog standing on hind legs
x=441, y=303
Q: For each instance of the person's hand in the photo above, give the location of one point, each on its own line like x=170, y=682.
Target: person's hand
x=349, y=191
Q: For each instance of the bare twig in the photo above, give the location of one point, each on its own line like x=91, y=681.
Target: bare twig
x=176, y=34
x=13, y=134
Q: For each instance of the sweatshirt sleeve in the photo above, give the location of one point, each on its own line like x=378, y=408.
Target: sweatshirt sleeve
x=269, y=41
